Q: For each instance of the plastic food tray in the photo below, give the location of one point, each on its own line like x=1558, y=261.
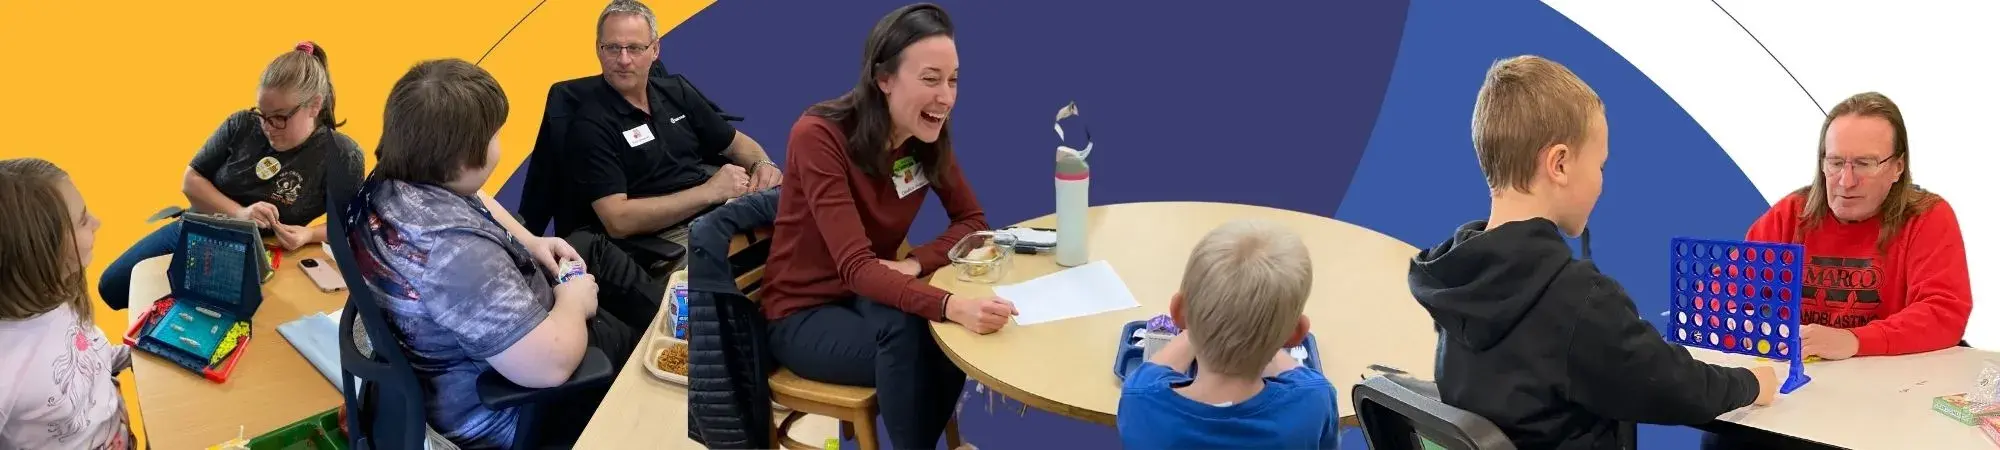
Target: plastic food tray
x=1130, y=353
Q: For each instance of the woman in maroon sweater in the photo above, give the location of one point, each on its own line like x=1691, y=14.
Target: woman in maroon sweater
x=843, y=308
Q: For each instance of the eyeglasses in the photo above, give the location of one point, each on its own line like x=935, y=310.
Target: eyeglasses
x=615, y=50
x=1862, y=166
x=277, y=121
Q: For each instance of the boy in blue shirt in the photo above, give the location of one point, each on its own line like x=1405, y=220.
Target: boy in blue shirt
x=1241, y=303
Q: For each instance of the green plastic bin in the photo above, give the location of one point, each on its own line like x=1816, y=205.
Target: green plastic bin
x=319, y=432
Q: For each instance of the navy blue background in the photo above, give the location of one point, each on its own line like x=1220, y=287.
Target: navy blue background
x=1359, y=111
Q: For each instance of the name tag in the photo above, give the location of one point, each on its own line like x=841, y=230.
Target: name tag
x=639, y=136
x=908, y=177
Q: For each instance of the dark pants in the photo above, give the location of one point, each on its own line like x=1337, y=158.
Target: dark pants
x=562, y=420
x=116, y=282
x=861, y=342
x=625, y=288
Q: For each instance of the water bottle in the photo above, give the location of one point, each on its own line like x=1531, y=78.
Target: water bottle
x=1072, y=196
x=1072, y=217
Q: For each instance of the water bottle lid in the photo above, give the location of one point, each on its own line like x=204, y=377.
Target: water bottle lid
x=1064, y=146
x=1070, y=161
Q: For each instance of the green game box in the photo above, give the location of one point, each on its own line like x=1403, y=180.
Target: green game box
x=1964, y=411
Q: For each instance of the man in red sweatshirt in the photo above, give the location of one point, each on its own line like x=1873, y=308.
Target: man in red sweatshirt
x=1885, y=266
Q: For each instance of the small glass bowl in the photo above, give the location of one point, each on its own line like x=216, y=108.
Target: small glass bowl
x=983, y=257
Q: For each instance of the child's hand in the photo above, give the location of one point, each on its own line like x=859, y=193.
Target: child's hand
x=1280, y=363
x=1767, y=385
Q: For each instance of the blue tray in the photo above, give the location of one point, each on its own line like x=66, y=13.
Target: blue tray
x=1129, y=352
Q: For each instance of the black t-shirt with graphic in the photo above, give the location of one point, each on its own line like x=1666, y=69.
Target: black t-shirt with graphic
x=241, y=163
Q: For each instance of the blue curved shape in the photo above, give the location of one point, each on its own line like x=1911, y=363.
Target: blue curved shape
x=1419, y=177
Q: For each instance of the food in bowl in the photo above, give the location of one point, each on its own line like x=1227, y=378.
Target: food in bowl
x=982, y=256
x=981, y=260
x=986, y=253
x=673, y=359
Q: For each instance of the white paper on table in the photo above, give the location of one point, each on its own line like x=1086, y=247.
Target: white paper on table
x=1075, y=292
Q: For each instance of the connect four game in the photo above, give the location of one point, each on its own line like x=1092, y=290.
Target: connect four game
x=1739, y=297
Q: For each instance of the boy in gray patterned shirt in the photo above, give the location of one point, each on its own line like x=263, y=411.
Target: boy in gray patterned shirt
x=466, y=289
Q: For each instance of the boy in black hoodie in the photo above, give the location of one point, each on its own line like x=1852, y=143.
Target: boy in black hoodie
x=1543, y=345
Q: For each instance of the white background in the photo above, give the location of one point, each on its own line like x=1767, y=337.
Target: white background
x=1933, y=57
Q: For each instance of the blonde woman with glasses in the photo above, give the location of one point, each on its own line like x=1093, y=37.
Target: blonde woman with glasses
x=267, y=164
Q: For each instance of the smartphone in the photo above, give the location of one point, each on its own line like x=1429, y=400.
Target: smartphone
x=323, y=275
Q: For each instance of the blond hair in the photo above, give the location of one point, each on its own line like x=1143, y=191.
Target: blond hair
x=1528, y=104
x=303, y=74
x=38, y=258
x=1905, y=200
x=1242, y=295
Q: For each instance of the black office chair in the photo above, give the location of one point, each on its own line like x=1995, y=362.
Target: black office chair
x=385, y=401
x=1400, y=413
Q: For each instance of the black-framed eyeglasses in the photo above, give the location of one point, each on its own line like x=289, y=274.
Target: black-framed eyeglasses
x=615, y=50
x=278, y=121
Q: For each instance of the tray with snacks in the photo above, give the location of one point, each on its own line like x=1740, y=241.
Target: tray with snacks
x=667, y=346
x=1139, y=338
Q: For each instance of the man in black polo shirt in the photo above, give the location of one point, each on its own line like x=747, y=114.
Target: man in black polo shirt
x=652, y=156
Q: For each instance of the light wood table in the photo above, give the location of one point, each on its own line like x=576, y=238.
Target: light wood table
x=1880, y=402
x=1361, y=308
x=273, y=385
x=641, y=410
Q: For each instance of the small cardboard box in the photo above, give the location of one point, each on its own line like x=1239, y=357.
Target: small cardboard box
x=1967, y=412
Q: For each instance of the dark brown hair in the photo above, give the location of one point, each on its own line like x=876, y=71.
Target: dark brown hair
x=863, y=112
x=439, y=119
x=1905, y=200
x=39, y=268
x=303, y=73
x=1528, y=104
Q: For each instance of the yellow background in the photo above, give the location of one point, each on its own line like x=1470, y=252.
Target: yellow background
x=122, y=93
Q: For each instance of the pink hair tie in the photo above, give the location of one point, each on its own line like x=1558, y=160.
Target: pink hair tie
x=306, y=46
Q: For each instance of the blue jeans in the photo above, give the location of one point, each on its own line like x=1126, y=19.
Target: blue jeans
x=116, y=283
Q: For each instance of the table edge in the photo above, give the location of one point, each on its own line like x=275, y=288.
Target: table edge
x=1025, y=397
